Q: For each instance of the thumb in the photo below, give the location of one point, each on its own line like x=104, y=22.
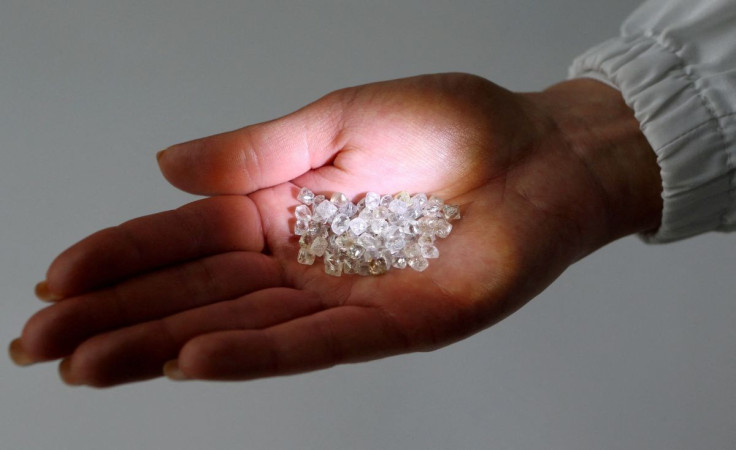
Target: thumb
x=257, y=156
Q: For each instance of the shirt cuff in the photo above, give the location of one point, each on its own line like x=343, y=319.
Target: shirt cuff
x=683, y=127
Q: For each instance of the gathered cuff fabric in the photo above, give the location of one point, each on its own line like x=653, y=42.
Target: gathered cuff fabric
x=681, y=114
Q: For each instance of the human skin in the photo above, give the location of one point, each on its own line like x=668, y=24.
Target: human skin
x=213, y=290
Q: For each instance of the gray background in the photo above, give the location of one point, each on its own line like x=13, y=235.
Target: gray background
x=632, y=348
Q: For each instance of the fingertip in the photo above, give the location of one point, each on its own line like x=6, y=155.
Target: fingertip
x=173, y=372
x=65, y=372
x=44, y=293
x=18, y=354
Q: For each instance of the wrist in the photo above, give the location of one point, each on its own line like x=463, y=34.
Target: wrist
x=595, y=123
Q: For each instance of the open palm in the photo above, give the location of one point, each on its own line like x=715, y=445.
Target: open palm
x=214, y=288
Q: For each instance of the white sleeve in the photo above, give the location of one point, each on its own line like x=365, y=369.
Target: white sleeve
x=675, y=65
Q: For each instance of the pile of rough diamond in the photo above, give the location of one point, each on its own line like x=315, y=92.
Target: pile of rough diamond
x=374, y=235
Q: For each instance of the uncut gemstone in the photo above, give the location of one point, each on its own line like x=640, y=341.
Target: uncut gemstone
x=318, y=247
x=397, y=207
x=363, y=269
x=317, y=200
x=306, y=240
x=412, y=251
x=367, y=241
x=372, y=200
x=366, y=214
x=301, y=227
x=395, y=245
x=400, y=262
x=317, y=229
x=426, y=225
x=419, y=263
x=349, y=209
x=355, y=252
x=302, y=212
x=358, y=226
x=419, y=200
x=333, y=266
x=340, y=224
x=404, y=197
x=338, y=199
x=325, y=210
x=451, y=212
x=425, y=239
x=305, y=196
x=349, y=266
x=305, y=257
x=378, y=226
x=386, y=200
x=344, y=242
x=433, y=208
x=430, y=251
x=332, y=243
x=378, y=266
x=443, y=228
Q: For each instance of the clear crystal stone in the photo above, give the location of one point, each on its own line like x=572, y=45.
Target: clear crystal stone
x=404, y=197
x=412, y=251
x=306, y=240
x=433, y=208
x=419, y=200
x=367, y=241
x=366, y=214
x=318, y=247
x=301, y=227
x=372, y=200
x=344, y=242
x=338, y=199
x=395, y=245
x=426, y=225
x=349, y=266
x=425, y=239
x=378, y=226
x=363, y=269
x=451, y=212
x=317, y=200
x=400, y=262
x=302, y=212
x=325, y=210
x=340, y=224
x=358, y=226
x=349, y=209
x=397, y=207
x=430, y=251
x=386, y=200
x=419, y=263
x=305, y=257
x=443, y=228
x=333, y=265
x=305, y=196
x=355, y=252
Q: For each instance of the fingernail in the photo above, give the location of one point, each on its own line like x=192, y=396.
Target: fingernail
x=160, y=153
x=43, y=293
x=18, y=354
x=173, y=372
x=65, y=373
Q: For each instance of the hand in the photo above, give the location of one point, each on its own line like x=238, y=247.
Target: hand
x=214, y=291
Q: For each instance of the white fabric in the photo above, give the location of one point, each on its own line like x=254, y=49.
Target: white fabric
x=675, y=65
